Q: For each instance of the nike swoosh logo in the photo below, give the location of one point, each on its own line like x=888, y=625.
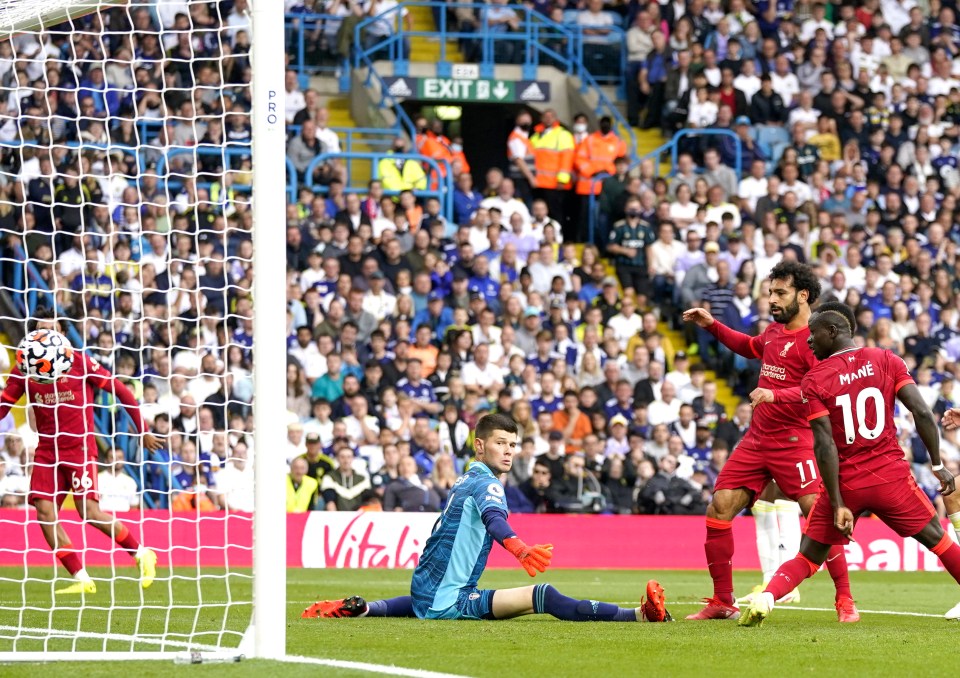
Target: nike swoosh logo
x=830, y=560
x=803, y=485
x=765, y=343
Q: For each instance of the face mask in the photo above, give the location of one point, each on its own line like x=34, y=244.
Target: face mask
x=398, y=149
x=605, y=127
x=633, y=213
x=456, y=148
x=422, y=130
x=525, y=126
x=579, y=128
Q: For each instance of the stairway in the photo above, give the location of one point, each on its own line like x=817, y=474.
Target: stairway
x=428, y=49
x=647, y=141
x=361, y=171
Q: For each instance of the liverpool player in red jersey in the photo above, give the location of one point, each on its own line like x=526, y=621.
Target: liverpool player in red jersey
x=66, y=459
x=778, y=445
x=851, y=395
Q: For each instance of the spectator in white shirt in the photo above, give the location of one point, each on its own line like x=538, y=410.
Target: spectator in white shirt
x=480, y=375
x=117, y=488
x=377, y=301
x=235, y=481
x=294, y=100
x=666, y=408
x=753, y=187
x=626, y=323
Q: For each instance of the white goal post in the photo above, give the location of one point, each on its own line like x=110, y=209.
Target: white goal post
x=86, y=628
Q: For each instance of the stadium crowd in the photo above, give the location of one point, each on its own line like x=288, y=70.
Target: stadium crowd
x=405, y=325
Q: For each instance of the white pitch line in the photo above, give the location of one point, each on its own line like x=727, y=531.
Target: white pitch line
x=44, y=633
x=370, y=668
x=817, y=609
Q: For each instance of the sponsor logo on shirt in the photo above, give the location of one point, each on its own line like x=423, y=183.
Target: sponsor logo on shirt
x=773, y=372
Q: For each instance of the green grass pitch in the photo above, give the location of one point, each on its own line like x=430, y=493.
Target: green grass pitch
x=792, y=642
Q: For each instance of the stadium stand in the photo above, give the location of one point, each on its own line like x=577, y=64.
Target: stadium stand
x=821, y=132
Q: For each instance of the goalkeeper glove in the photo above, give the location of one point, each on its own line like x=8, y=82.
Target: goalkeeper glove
x=533, y=558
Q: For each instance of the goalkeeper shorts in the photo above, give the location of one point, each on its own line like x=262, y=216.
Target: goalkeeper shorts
x=471, y=604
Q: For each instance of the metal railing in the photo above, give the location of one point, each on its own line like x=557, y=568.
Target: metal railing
x=439, y=176
x=673, y=147
x=540, y=41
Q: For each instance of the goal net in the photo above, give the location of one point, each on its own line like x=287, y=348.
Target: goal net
x=127, y=216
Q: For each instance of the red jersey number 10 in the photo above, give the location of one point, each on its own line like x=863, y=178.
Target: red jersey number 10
x=850, y=428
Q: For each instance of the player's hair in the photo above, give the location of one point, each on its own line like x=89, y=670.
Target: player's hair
x=39, y=315
x=498, y=421
x=801, y=275
x=839, y=313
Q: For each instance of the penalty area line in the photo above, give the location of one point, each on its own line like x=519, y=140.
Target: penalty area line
x=28, y=633
x=367, y=667
x=788, y=606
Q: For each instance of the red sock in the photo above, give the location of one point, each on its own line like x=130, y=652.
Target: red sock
x=790, y=574
x=837, y=567
x=949, y=554
x=126, y=539
x=719, y=550
x=70, y=561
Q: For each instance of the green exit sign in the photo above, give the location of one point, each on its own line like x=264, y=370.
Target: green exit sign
x=466, y=90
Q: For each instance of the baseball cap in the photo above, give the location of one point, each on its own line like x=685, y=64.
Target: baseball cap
x=618, y=420
x=435, y=295
x=742, y=120
x=556, y=303
x=609, y=280
x=377, y=275
x=313, y=437
x=711, y=247
x=680, y=355
x=295, y=426
x=555, y=435
x=531, y=311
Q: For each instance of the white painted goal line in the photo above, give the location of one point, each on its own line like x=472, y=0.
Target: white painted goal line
x=789, y=606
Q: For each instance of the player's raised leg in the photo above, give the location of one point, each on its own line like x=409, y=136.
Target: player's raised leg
x=836, y=561
x=806, y=564
x=719, y=547
x=88, y=506
x=951, y=503
x=356, y=606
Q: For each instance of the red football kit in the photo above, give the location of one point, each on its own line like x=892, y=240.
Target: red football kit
x=66, y=455
x=857, y=389
x=779, y=443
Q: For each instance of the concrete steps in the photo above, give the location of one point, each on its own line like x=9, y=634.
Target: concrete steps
x=427, y=49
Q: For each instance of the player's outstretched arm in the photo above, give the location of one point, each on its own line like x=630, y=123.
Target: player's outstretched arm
x=926, y=425
x=780, y=395
x=534, y=558
x=737, y=342
x=828, y=461
x=12, y=392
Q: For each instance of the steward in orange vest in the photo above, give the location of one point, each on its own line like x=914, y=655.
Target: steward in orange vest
x=596, y=154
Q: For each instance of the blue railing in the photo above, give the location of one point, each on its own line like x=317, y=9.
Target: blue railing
x=543, y=43
x=327, y=61
x=439, y=176
x=673, y=146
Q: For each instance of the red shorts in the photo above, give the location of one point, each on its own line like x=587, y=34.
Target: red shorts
x=52, y=481
x=900, y=504
x=751, y=468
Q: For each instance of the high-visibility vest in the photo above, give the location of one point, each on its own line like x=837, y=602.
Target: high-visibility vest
x=429, y=145
x=553, y=157
x=596, y=154
x=410, y=177
x=528, y=156
x=300, y=500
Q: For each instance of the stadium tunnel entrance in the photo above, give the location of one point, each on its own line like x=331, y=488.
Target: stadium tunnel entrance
x=484, y=129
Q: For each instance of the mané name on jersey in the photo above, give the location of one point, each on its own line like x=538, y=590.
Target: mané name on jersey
x=857, y=389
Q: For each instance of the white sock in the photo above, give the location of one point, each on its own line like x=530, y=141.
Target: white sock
x=82, y=575
x=765, y=517
x=954, y=530
x=140, y=551
x=788, y=522
x=768, y=597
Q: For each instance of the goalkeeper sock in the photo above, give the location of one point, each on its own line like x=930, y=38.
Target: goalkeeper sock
x=126, y=540
x=719, y=550
x=837, y=566
x=391, y=607
x=768, y=544
x=949, y=555
x=955, y=524
x=70, y=561
x=547, y=600
x=788, y=529
x=790, y=574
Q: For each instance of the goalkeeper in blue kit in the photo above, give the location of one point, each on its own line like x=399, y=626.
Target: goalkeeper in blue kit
x=444, y=584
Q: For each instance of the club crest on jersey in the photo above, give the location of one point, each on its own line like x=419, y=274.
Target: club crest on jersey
x=783, y=353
